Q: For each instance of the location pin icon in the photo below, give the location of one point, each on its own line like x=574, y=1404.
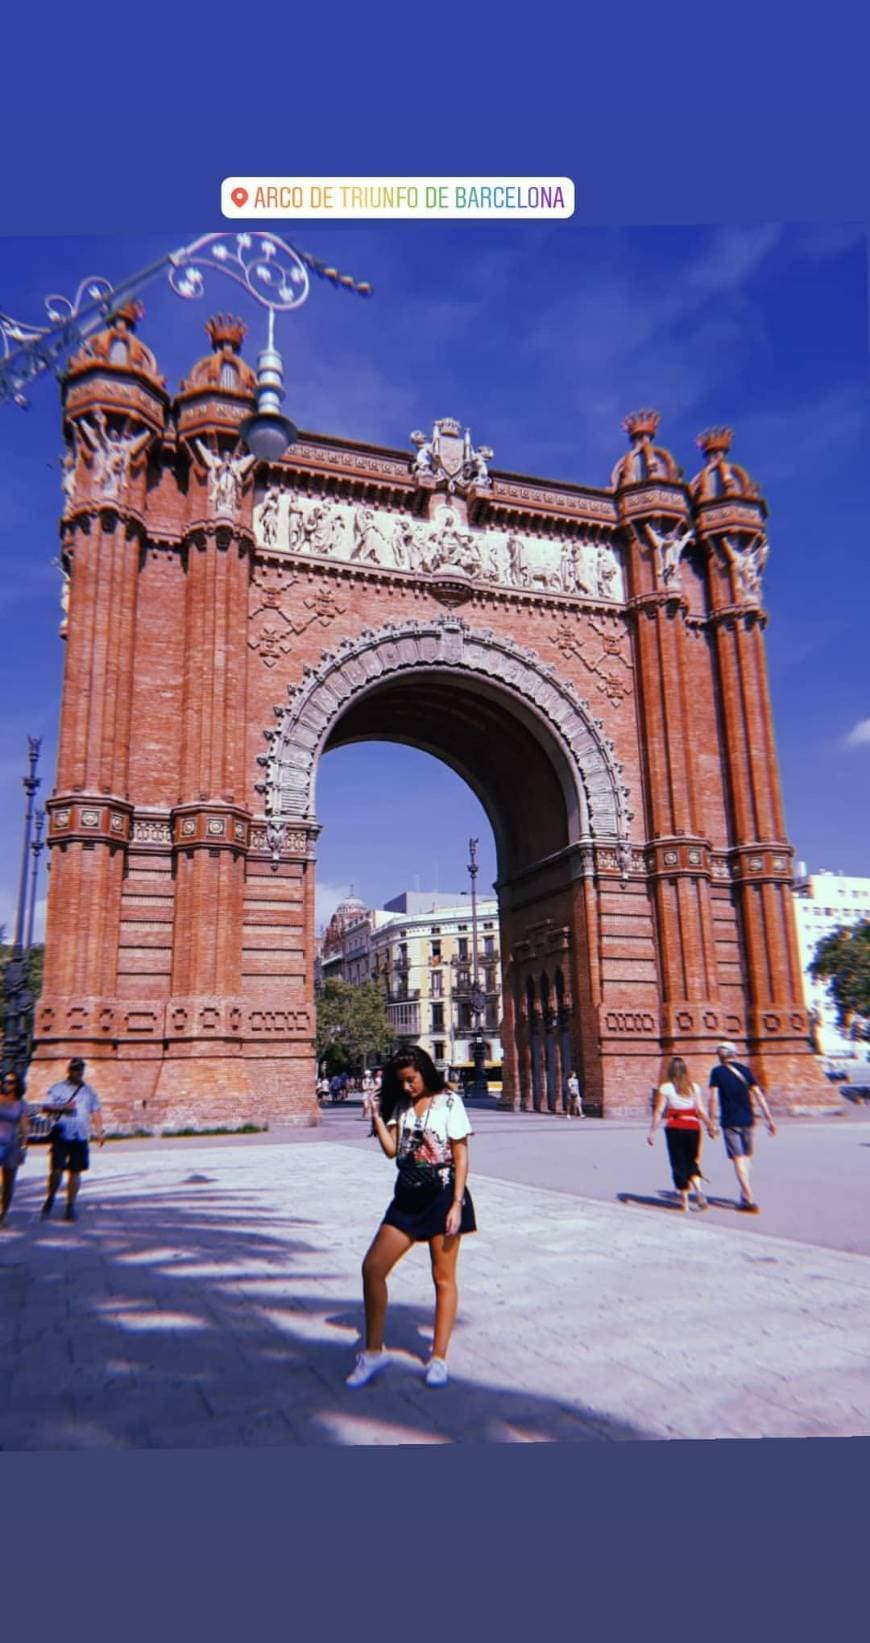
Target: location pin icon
x=239, y=197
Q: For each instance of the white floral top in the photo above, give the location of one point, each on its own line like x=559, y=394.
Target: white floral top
x=427, y=1139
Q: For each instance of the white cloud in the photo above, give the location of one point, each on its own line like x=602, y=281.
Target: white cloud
x=859, y=735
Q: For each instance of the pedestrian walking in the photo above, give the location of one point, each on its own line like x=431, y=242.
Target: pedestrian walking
x=678, y=1101
x=423, y=1124
x=734, y=1090
x=14, y=1125
x=573, y=1098
x=73, y=1103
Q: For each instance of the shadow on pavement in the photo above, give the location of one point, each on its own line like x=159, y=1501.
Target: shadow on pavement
x=190, y=1317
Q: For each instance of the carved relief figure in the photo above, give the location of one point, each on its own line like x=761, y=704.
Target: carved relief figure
x=295, y=525
x=453, y=546
x=64, y=595
x=606, y=573
x=491, y=565
x=269, y=517
x=668, y=553
x=69, y=466
x=369, y=542
x=112, y=452
x=423, y=459
x=225, y=476
x=749, y=564
x=517, y=571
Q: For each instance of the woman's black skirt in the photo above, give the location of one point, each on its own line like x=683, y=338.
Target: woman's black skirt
x=683, y=1153
x=430, y=1222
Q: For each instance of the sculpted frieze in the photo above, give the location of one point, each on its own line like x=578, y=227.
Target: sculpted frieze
x=576, y=564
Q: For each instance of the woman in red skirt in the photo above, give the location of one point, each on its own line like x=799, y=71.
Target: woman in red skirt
x=678, y=1100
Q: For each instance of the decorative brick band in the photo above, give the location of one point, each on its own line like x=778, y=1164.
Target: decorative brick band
x=66, y=1020
x=667, y=858
x=215, y=827
x=94, y=819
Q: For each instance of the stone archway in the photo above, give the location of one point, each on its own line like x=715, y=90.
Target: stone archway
x=596, y=799
x=488, y=708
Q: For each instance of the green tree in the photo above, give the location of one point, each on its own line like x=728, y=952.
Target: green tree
x=843, y=959
x=34, y=974
x=352, y=1025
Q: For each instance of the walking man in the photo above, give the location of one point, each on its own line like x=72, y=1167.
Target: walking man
x=734, y=1090
x=72, y=1102
x=573, y=1101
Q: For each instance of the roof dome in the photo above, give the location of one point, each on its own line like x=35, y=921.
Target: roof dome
x=117, y=348
x=644, y=460
x=719, y=477
x=351, y=908
x=223, y=369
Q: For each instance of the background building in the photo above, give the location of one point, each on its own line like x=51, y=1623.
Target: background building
x=419, y=947
x=825, y=902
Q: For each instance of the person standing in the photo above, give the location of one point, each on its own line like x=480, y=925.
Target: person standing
x=733, y=1087
x=13, y=1135
x=73, y=1103
x=573, y=1100
x=425, y=1128
x=679, y=1101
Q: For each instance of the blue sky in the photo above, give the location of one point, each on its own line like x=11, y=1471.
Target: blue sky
x=540, y=338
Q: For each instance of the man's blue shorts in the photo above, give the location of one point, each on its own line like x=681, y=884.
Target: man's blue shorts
x=738, y=1142
x=71, y=1155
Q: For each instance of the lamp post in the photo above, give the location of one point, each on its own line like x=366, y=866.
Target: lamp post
x=271, y=270
x=19, y=998
x=477, y=997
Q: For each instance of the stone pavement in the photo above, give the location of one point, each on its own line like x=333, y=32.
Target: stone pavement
x=209, y=1295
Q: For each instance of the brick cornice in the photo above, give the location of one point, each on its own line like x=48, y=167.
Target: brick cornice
x=211, y=825
x=92, y=817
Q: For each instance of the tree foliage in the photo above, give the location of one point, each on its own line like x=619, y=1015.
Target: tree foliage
x=843, y=959
x=352, y=1025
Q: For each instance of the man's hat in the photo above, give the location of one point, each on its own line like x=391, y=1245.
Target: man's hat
x=76, y=1061
x=727, y=1049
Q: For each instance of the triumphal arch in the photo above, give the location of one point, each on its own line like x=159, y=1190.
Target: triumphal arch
x=591, y=661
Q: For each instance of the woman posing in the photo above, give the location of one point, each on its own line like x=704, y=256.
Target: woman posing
x=679, y=1101
x=424, y=1126
x=13, y=1135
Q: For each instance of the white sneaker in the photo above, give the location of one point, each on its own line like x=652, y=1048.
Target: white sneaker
x=368, y=1364
x=436, y=1372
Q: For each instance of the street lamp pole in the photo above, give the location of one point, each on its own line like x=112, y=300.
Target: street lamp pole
x=18, y=996
x=478, y=998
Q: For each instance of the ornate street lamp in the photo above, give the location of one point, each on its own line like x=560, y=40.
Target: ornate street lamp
x=477, y=997
x=19, y=999
x=274, y=273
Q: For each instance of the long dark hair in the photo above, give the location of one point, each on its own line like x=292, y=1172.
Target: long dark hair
x=392, y=1094
x=19, y=1087
x=678, y=1075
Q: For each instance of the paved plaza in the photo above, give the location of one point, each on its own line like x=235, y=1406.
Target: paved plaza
x=209, y=1294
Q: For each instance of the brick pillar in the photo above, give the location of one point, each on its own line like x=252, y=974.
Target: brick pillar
x=211, y=834
x=678, y=853
x=730, y=519
x=89, y=811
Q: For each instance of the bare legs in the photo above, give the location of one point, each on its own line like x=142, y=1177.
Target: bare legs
x=8, y=1189
x=741, y=1169
x=388, y=1247
x=443, y=1253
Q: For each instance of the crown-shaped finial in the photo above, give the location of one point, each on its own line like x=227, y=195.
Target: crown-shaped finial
x=130, y=312
x=225, y=331
x=715, y=441
x=641, y=424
